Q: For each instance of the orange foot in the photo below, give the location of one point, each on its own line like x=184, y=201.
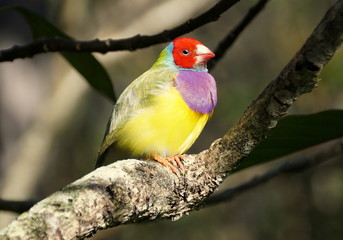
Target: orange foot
x=169, y=160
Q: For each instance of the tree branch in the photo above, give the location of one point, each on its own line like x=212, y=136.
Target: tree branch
x=16, y=206
x=298, y=165
x=229, y=39
x=295, y=166
x=104, y=46
x=135, y=191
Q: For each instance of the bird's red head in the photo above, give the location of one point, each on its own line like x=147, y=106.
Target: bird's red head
x=190, y=53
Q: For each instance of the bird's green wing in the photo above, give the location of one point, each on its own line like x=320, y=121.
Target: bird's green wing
x=135, y=97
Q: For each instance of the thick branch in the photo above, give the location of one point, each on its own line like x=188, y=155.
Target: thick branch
x=134, y=191
x=104, y=46
x=295, y=166
x=299, y=76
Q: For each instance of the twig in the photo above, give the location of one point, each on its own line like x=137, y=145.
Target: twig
x=298, y=165
x=230, y=38
x=104, y=46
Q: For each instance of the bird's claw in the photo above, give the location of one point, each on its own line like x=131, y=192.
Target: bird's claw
x=168, y=162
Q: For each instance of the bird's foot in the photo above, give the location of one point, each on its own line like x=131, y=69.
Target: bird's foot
x=168, y=162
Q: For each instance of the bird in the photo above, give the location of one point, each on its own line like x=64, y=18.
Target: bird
x=162, y=112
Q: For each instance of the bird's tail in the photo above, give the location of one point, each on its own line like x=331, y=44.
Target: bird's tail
x=101, y=159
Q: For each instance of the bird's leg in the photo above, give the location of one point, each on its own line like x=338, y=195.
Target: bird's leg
x=166, y=162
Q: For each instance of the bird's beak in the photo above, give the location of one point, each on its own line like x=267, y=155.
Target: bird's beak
x=203, y=53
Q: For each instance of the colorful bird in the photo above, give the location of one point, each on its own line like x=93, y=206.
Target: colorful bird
x=161, y=113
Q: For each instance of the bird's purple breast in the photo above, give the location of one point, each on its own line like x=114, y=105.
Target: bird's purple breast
x=198, y=90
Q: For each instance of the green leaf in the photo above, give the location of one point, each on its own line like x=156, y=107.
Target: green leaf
x=295, y=133
x=85, y=63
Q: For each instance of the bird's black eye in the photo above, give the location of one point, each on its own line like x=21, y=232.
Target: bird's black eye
x=185, y=52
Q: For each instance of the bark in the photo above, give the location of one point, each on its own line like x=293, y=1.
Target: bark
x=135, y=191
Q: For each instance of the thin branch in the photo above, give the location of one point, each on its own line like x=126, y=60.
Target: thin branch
x=104, y=46
x=298, y=165
x=135, y=191
x=229, y=39
x=16, y=206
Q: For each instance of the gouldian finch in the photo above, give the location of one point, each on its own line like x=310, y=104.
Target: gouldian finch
x=161, y=113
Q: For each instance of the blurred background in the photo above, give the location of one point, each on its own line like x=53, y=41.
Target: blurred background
x=52, y=122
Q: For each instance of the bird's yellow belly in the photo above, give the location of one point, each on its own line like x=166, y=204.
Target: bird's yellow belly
x=167, y=127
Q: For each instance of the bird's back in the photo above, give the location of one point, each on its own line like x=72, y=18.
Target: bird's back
x=137, y=96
